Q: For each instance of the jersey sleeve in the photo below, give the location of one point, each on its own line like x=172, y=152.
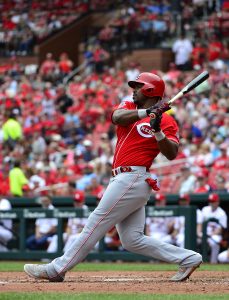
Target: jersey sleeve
x=128, y=105
x=170, y=128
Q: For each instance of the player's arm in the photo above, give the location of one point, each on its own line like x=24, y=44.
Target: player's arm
x=125, y=117
x=168, y=148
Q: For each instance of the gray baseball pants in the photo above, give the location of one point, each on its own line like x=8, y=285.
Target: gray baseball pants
x=123, y=205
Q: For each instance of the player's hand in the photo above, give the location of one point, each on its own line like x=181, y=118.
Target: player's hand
x=157, y=110
x=156, y=123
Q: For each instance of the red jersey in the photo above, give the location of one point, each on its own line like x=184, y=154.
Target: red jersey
x=136, y=144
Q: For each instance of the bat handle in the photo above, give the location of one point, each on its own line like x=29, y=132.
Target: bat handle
x=180, y=94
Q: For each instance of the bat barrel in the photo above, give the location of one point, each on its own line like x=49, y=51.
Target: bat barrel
x=191, y=85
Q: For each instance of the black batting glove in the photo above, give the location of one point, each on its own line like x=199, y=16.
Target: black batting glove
x=157, y=110
x=156, y=123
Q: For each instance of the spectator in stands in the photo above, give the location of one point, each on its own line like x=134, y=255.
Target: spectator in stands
x=35, y=181
x=4, y=183
x=105, y=177
x=224, y=129
x=85, y=180
x=215, y=48
x=188, y=180
x=100, y=57
x=39, y=144
x=106, y=37
x=216, y=228
x=182, y=49
x=178, y=233
x=160, y=29
x=160, y=227
x=222, y=162
x=202, y=185
x=88, y=153
x=88, y=60
x=220, y=184
x=12, y=131
x=49, y=68
x=45, y=228
x=132, y=71
x=18, y=180
x=94, y=188
x=198, y=55
x=63, y=100
x=6, y=225
x=145, y=30
x=65, y=64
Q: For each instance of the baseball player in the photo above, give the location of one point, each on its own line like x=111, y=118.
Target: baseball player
x=214, y=230
x=143, y=130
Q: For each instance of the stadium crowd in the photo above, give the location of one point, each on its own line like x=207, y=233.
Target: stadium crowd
x=63, y=133
x=24, y=24
x=134, y=24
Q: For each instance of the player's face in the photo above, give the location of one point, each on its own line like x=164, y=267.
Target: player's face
x=138, y=97
x=214, y=205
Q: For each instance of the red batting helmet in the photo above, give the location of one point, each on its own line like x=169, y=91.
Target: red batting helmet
x=213, y=197
x=153, y=85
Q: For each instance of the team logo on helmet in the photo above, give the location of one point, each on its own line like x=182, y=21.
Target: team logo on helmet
x=145, y=130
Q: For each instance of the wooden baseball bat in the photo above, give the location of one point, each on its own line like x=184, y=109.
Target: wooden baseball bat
x=191, y=85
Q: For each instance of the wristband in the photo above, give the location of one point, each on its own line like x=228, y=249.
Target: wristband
x=159, y=136
x=142, y=113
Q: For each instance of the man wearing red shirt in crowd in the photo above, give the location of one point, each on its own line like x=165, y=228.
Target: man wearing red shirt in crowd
x=4, y=184
x=198, y=55
x=215, y=49
x=48, y=67
x=100, y=56
x=65, y=64
x=202, y=185
x=222, y=162
x=95, y=189
x=143, y=131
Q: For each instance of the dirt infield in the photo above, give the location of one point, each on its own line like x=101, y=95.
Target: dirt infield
x=201, y=282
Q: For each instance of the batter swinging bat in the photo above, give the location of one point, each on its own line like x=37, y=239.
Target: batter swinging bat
x=191, y=85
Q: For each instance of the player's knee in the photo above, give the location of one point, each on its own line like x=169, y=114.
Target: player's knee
x=222, y=257
x=198, y=258
x=131, y=243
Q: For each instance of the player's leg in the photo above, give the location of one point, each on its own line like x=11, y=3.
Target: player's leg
x=52, y=247
x=31, y=242
x=215, y=248
x=5, y=237
x=131, y=233
x=126, y=193
x=116, y=204
x=223, y=257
